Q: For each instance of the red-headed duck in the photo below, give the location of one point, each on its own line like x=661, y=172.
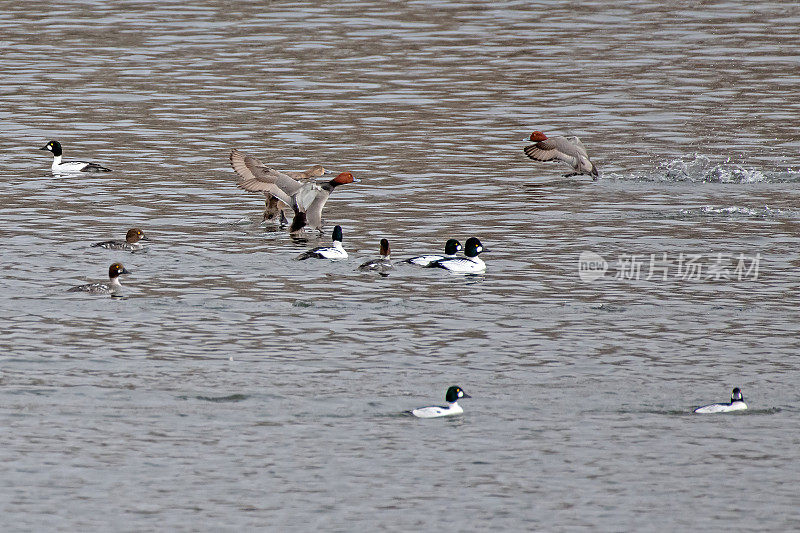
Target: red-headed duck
x=567, y=149
x=306, y=198
x=275, y=207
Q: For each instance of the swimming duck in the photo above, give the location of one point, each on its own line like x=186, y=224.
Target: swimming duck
x=736, y=404
x=306, y=198
x=70, y=166
x=131, y=242
x=567, y=149
x=114, y=286
x=452, y=396
x=451, y=248
x=328, y=252
x=381, y=265
x=469, y=264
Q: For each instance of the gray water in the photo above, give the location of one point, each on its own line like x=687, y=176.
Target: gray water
x=234, y=388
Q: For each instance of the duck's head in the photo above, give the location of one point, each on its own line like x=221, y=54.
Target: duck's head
x=537, y=136
x=452, y=246
x=385, y=251
x=135, y=235
x=116, y=270
x=736, y=395
x=52, y=146
x=343, y=179
x=317, y=171
x=455, y=393
x=337, y=234
x=473, y=247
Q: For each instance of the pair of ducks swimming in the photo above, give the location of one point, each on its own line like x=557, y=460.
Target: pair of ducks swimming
x=469, y=264
x=455, y=393
x=132, y=243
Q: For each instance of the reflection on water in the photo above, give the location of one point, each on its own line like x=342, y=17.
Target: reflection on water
x=236, y=386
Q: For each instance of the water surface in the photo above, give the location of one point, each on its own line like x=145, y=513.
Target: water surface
x=236, y=388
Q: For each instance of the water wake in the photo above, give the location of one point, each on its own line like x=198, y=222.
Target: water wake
x=702, y=169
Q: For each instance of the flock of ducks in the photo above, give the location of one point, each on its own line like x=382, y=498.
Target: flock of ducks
x=297, y=192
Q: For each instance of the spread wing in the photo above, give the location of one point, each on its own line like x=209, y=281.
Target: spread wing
x=254, y=176
x=554, y=148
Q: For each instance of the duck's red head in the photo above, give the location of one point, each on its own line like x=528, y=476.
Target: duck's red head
x=344, y=177
x=537, y=136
